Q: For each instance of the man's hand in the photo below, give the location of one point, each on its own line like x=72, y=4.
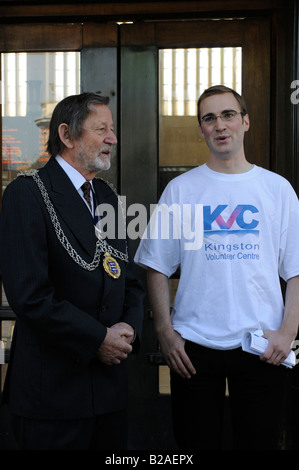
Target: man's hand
x=115, y=347
x=173, y=350
x=171, y=342
x=279, y=347
x=129, y=334
x=280, y=341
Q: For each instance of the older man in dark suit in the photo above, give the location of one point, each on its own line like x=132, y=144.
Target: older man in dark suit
x=74, y=292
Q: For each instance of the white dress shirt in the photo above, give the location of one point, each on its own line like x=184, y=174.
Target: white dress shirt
x=77, y=179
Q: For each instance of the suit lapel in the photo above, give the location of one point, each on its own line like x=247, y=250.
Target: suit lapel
x=69, y=205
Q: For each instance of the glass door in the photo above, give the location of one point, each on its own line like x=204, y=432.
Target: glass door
x=164, y=68
x=32, y=85
x=40, y=64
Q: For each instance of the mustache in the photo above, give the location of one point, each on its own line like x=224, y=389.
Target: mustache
x=105, y=149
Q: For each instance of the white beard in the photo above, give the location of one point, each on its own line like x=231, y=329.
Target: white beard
x=96, y=164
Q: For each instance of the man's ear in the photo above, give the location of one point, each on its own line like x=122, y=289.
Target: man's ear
x=201, y=132
x=63, y=131
x=246, y=122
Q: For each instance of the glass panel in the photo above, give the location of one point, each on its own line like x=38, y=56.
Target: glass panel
x=32, y=84
x=183, y=75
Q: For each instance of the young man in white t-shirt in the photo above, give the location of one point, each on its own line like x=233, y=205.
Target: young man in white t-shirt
x=229, y=284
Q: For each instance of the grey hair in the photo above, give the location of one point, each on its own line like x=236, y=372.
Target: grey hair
x=72, y=110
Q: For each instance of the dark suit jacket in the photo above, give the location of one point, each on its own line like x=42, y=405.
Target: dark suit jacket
x=62, y=310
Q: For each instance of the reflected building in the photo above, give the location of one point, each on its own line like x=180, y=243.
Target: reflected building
x=43, y=124
x=32, y=85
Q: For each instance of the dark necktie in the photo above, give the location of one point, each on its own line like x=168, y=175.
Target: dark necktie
x=86, y=187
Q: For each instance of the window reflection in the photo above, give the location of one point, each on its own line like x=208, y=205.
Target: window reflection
x=186, y=73
x=32, y=85
x=183, y=75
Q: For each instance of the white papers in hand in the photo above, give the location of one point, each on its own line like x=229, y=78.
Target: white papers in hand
x=254, y=343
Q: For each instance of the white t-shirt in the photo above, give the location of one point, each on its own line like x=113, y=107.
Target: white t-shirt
x=231, y=284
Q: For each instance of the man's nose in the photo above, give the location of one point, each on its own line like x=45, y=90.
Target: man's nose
x=220, y=124
x=111, y=138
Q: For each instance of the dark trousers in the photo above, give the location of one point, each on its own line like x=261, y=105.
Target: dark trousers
x=104, y=432
x=256, y=396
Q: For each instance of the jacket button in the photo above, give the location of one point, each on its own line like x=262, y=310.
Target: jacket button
x=103, y=308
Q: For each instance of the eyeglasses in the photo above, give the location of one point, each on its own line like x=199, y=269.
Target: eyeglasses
x=225, y=116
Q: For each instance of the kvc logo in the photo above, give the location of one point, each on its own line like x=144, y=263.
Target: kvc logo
x=241, y=220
